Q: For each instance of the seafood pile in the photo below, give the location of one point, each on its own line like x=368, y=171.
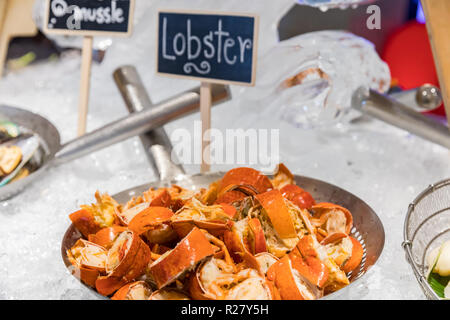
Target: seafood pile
x=247, y=236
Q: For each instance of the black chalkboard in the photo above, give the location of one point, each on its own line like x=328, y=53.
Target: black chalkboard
x=89, y=16
x=209, y=46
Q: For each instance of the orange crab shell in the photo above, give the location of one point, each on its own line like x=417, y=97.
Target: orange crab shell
x=216, y=228
x=258, y=240
x=306, y=247
x=106, y=285
x=310, y=267
x=324, y=207
x=158, y=198
x=281, y=274
x=135, y=260
x=196, y=289
x=246, y=176
x=229, y=210
x=106, y=236
x=188, y=252
x=282, y=177
x=235, y=244
x=85, y=222
x=298, y=196
x=162, y=234
x=356, y=257
x=149, y=219
x=86, y=273
x=333, y=238
x=122, y=293
x=278, y=212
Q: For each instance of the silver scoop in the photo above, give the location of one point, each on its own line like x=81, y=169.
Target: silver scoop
x=368, y=228
x=29, y=144
x=51, y=152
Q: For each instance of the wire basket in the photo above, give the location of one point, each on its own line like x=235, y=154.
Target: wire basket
x=427, y=226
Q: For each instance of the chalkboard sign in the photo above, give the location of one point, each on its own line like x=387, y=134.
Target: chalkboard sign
x=210, y=47
x=89, y=17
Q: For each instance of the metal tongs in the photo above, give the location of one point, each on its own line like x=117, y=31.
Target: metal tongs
x=392, y=111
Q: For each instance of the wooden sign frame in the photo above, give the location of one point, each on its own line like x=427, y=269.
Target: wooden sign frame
x=437, y=14
x=15, y=21
x=218, y=13
x=89, y=32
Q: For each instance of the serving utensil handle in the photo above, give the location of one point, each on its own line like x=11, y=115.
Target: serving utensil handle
x=156, y=142
x=393, y=112
x=137, y=124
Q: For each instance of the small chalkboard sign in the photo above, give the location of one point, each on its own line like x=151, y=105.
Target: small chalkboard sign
x=89, y=17
x=210, y=47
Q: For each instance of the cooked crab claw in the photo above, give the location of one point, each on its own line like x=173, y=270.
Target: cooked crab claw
x=91, y=218
x=106, y=236
x=138, y=290
x=174, y=263
x=214, y=218
x=168, y=294
x=291, y=284
x=298, y=196
x=331, y=218
x=89, y=261
x=126, y=260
